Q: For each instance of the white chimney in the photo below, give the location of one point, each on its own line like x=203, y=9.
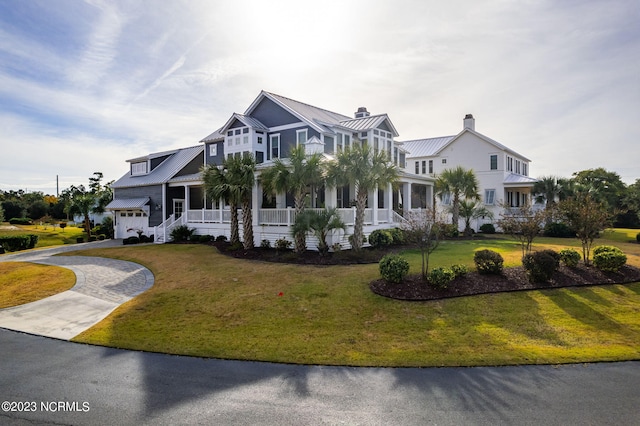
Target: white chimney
x=469, y=122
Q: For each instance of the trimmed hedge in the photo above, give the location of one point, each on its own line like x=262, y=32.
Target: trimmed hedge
x=541, y=265
x=570, y=257
x=487, y=228
x=393, y=268
x=20, y=221
x=380, y=238
x=18, y=242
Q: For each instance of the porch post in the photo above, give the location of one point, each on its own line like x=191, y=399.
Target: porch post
x=406, y=198
x=255, y=196
x=330, y=197
x=374, y=205
x=187, y=202
x=389, y=203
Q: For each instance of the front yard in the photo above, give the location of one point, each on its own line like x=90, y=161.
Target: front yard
x=207, y=304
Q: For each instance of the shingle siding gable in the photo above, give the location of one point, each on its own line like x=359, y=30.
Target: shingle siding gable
x=272, y=115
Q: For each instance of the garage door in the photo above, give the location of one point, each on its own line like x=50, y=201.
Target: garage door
x=129, y=222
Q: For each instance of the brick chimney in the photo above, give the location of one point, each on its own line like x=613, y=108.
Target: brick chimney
x=469, y=122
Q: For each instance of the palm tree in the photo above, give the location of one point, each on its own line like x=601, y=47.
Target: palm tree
x=547, y=189
x=294, y=175
x=366, y=170
x=233, y=182
x=459, y=183
x=470, y=210
x=83, y=203
x=320, y=224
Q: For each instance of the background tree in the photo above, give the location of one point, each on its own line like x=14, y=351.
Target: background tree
x=602, y=185
x=320, y=224
x=588, y=217
x=523, y=224
x=366, y=170
x=294, y=175
x=547, y=189
x=459, y=183
x=84, y=201
x=243, y=174
x=1, y=213
x=423, y=228
x=631, y=203
x=470, y=210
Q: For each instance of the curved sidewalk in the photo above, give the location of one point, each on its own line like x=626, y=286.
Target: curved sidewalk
x=101, y=286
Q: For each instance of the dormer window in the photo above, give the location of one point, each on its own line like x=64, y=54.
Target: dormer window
x=139, y=168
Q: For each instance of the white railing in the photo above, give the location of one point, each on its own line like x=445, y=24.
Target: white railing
x=160, y=231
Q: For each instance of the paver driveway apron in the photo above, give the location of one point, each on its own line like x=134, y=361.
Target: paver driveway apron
x=101, y=286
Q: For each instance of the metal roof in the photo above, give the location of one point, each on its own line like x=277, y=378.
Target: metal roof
x=369, y=122
x=308, y=112
x=426, y=147
x=515, y=180
x=165, y=171
x=215, y=136
x=128, y=204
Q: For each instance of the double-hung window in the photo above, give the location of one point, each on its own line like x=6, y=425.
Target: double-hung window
x=493, y=160
x=489, y=197
x=301, y=137
x=275, y=145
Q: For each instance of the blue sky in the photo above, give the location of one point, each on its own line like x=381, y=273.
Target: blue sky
x=86, y=85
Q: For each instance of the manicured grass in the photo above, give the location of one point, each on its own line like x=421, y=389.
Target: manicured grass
x=207, y=304
x=47, y=237
x=22, y=282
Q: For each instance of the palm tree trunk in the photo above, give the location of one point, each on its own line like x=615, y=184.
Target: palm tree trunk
x=361, y=204
x=300, y=238
x=235, y=237
x=456, y=210
x=247, y=225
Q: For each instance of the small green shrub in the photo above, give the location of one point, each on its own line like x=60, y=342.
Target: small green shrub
x=235, y=246
x=554, y=254
x=265, y=244
x=570, y=257
x=393, y=268
x=20, y=221
x=440, y=277
x=182, y=233
x=459, y=270
x=364, y=239
x=608, y=258
x=449, y=231
x=131, y=240
x=380, y=238
x=488, y=228
x=540, y=265
x=282, y=244
x=205, y=239
x=488, y=262
x=221, y=238
x=398, y=236
x=558, y=230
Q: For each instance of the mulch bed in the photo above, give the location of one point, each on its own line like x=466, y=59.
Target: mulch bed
x=512, y=279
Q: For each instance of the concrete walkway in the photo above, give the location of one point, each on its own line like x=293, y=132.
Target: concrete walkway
x=101, y=286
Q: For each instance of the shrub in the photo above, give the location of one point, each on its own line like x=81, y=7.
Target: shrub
x=488, y=228
x=441, y=277
x=570, y=257
x=608, y=258
x=20, y=221
x=182, y=233
x=554, y=254
x=488, y=262
x=380, y=238
x=393, y=268
x=18, y=242
x=558, y=230
x=265, y=244
x=282, y=244
x=398, y=235
x=450, y=230
x=459, y=270
x=102, y=237
x=205, y=239
x=540, y=265
x=62, y=225
x=131, y=240
x=235, y=246
x=221, y=238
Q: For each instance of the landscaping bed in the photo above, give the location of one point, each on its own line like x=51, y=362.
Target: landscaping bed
x=512, y=279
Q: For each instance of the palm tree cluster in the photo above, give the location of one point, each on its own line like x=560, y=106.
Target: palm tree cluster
x=462, y=186
x=358, y=165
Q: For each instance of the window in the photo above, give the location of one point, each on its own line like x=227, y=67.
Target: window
x=339, y=142
x=259, y=157
x=238, y=140
x=347, y=141
x=260, y=139
x=431, y=166
x=518, y=166
x=525, y=169
x=424, y=166
x=213, y=150
x=139, y=168
x=237, y=132
x=444, y=161
x=417, y=167
x=446, y=198
x=230, y=133
x=301, y=137
x=489, y=197
x=494, y=161
x=275, y=145
x=509, y=164
x=376, y=144
x=245, y=139
x=245, y=130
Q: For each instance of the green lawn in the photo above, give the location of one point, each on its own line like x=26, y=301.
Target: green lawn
x=207, y=304
x=22, y=282
x=47, y=235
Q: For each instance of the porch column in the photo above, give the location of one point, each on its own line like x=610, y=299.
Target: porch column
x=373, y=196
x=330, y=197
x=429, y=190
x=406, y=198
x=256, y=195
x=389, y=203
x=187, y=203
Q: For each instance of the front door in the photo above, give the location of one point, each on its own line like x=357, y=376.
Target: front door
x=178, y=208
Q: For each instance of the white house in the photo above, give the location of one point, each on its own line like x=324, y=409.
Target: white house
x=503, y=174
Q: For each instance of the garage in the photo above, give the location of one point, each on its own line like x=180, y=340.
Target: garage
x=130, y=216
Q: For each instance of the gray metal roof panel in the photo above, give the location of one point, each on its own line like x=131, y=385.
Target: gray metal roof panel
x=513, y=178
x=426, y=147
x=164, y=172
x=309, y=112
x=131, y=203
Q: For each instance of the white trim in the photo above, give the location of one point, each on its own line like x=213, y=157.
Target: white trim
x=287, y=126
x=271, y=136
x=306, y=136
